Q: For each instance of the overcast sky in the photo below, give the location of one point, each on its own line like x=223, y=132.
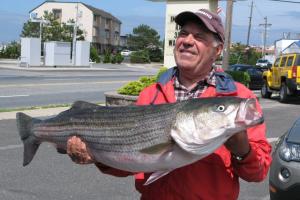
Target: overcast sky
x=284, y=17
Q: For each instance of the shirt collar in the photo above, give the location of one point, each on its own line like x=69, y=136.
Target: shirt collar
x=210, y=79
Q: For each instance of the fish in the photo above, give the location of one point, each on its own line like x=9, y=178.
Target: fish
x=143, y=138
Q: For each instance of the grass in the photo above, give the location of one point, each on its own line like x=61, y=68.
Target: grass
x=38, y=107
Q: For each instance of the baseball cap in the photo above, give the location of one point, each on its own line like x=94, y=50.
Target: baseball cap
x=211, y=20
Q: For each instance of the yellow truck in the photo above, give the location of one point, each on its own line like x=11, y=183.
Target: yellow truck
x=283, y=77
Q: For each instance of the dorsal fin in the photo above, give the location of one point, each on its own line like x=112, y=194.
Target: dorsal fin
x=83, y=104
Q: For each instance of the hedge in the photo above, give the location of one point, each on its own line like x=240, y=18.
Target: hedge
x=135, y=87
x=239, y=76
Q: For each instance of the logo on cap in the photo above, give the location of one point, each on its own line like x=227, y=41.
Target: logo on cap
x=205, y=13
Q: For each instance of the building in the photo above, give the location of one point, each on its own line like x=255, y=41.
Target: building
x=123, y=41
x=292, y=48
x=101, y=28
x=282, y=44
x=174, y=7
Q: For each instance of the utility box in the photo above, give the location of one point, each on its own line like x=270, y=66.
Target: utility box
x=30, y=52
x=57, y=53
x=82, y=53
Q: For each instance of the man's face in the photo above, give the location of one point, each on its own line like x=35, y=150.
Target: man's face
x=196, y=49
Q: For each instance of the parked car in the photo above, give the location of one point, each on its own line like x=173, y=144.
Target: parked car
x=126, y=52
x=263, y=63
x=284, y=178
x=255, y=73
x=283, y=77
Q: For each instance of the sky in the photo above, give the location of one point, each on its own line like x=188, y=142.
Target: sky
x=283, y=17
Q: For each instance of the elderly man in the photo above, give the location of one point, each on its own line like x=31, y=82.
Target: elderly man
x=245, y=155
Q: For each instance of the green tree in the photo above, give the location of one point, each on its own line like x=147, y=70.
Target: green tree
x=31, y=29
x=240, y=53
x=54, y=31
x=12, y=50
x=143, y=36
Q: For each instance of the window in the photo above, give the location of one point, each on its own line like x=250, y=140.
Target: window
x=171, y=42
x=107, y=22
x=107, y=34
x=283, y=61
x=276, y=64
x=57, y=14
x=290, y=61
x=172, y=19
x=297, y=62
x=116, y=35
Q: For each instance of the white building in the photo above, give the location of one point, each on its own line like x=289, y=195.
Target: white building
x=282, y=44
x=292, y=48
x=173, y=8
x=100, y=28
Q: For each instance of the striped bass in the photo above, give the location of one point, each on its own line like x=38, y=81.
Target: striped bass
x=152, y=138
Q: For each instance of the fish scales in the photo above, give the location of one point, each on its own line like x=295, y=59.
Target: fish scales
x=117, y=144
x=127, y=134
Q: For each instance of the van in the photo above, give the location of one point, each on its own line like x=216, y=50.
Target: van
x=283, y=77
x=262, y=63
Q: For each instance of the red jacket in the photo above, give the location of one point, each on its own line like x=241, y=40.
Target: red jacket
x=215, y=177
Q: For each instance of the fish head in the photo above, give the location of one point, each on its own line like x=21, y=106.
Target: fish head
x=205, y=124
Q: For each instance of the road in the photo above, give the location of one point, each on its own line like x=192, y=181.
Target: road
x=38, y=88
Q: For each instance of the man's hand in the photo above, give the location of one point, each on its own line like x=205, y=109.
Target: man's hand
x=238, y=144
x=78, y=152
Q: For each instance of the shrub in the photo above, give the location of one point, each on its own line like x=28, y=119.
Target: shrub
x=239, y=76
x=155, y=54
x=94, y=55
x=113, y=59
x=107, y=57
x=135, y=87
x=119, y=58
x=140, y=57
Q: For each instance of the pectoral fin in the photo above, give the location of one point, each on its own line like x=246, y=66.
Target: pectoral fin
x=155, y=176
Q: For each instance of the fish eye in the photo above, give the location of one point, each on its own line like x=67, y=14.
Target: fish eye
x=220, y=108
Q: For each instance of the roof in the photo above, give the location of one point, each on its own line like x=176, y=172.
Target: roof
x=96, y=11
x=297, y=43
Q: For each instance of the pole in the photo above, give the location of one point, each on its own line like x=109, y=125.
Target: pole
x=74, y=37
x=265, y=35
x=41, y=26
x=249, y=28
x=226, y=51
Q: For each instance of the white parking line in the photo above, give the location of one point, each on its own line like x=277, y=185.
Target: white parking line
x=272, y=139
x=8, y=147
x=20, y=95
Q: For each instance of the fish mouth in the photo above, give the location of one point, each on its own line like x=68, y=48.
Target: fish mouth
x=248, y=113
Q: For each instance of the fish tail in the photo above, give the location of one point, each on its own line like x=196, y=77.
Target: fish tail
x=31, y=144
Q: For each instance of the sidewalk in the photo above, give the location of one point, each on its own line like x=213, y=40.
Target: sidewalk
x=14, y=64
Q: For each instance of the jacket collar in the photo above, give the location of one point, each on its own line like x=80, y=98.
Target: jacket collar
x=224, y=83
